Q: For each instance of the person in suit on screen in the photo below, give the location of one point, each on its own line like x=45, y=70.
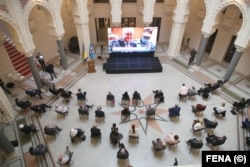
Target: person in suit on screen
x=126, y=40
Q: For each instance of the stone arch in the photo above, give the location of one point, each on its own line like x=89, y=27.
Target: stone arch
x=13, y=29
x=48, y=11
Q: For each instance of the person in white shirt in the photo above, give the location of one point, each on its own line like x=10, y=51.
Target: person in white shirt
x=62, y=109
x=220, y=110
x=198, y=125
x=183, y=90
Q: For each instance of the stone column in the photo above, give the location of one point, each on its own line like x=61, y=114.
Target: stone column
x=202, y=49
x=233, y=64
x=35, y=72
x=7, y=147
x=62, y=55
x=7, y=112
x=116, y=11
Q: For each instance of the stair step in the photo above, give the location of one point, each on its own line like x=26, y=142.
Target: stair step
x=12, y=51
x=18, y=57
x=19, y=63
x=16, y=54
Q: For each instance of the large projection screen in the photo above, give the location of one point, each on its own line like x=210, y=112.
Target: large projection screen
x=132, y=39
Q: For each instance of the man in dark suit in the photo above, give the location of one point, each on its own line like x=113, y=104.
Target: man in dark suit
x=174, y=111
x=99, y=112
x=22, y=104
x=51, y=71
x=95, y=131
x=126, y=41
x=28, y=128
x=192, y=56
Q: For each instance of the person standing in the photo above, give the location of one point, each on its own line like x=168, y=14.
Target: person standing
x=51, y=71
x=40, y=59
x=192, y=56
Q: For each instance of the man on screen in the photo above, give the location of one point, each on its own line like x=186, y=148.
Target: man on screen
x=126, y=40
x=144, y=40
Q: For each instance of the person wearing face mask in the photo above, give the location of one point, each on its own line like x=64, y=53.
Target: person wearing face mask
x=144, y=40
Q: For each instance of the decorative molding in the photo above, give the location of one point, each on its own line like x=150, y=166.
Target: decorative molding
x=23, y=3
x=3, y=8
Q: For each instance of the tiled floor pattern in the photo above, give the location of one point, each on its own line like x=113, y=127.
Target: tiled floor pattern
x=140, y=154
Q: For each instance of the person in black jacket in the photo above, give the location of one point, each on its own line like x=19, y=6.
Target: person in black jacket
x=51, y=71
x=28, y=128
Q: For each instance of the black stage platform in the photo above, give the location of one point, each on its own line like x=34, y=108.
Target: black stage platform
x=140, y=64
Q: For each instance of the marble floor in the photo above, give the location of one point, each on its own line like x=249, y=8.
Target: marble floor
x=98, y=84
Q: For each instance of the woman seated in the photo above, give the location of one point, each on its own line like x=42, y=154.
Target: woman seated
x=220, y=110
x=198, y=125
x=54, y=91
x=28, y=128
x=216, y=140
x=51, y=129
x=210, y=124
x=33, y=92
x=122, y=153
x=159, y=95
x=158, y=144
x=110, y=97
x=66, y=95
x=83, y=110
x=198, y=108
x=172, y=138
x=41, y=108
x=125, y=96
x=133, y=132
x=40, y=150
x=195, y=143
x=136, y=98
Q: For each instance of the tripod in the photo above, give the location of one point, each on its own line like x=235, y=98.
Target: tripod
x=4, y=120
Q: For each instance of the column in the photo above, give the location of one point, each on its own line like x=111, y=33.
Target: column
x=35, y=72
x=176, y=39
x=62, y=53
x=5, y=144
x=7, y=112
x=233, y=64
x=202, y=49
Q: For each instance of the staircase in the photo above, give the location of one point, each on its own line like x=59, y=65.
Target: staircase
x=18, y=59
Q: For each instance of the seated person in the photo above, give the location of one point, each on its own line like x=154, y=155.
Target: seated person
x=83, y=110
x=64, y=158
x=40, y=150
x=198, y=108
x=125, y=96
x=46, y=83
x=159, y=144
x=172, y=138
x=214, y=86
x=192, y=91
x=115, y=136
x=99, y=112
x=51, y=129
x=240, y=105
x=246, y=123
x=54, y=91
x=33, y=92
x=210, y=124
x=77, y=133
x=198, y=125
x=95, y=132
x=22, y=104
x=110, y=96
x=195, y=143
x=62, y=109
x=41, y=108
x=159, y=94
x=174, y=111
x=136, y=96
x=216, y=140
x=125, y=111
x=220, y=110
x=150, y=110
x=81, y=96
x=28, y=128
x=183, y=90
x=122, y=153
x=204, y=92
x=66, y=95
x=133, y=132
